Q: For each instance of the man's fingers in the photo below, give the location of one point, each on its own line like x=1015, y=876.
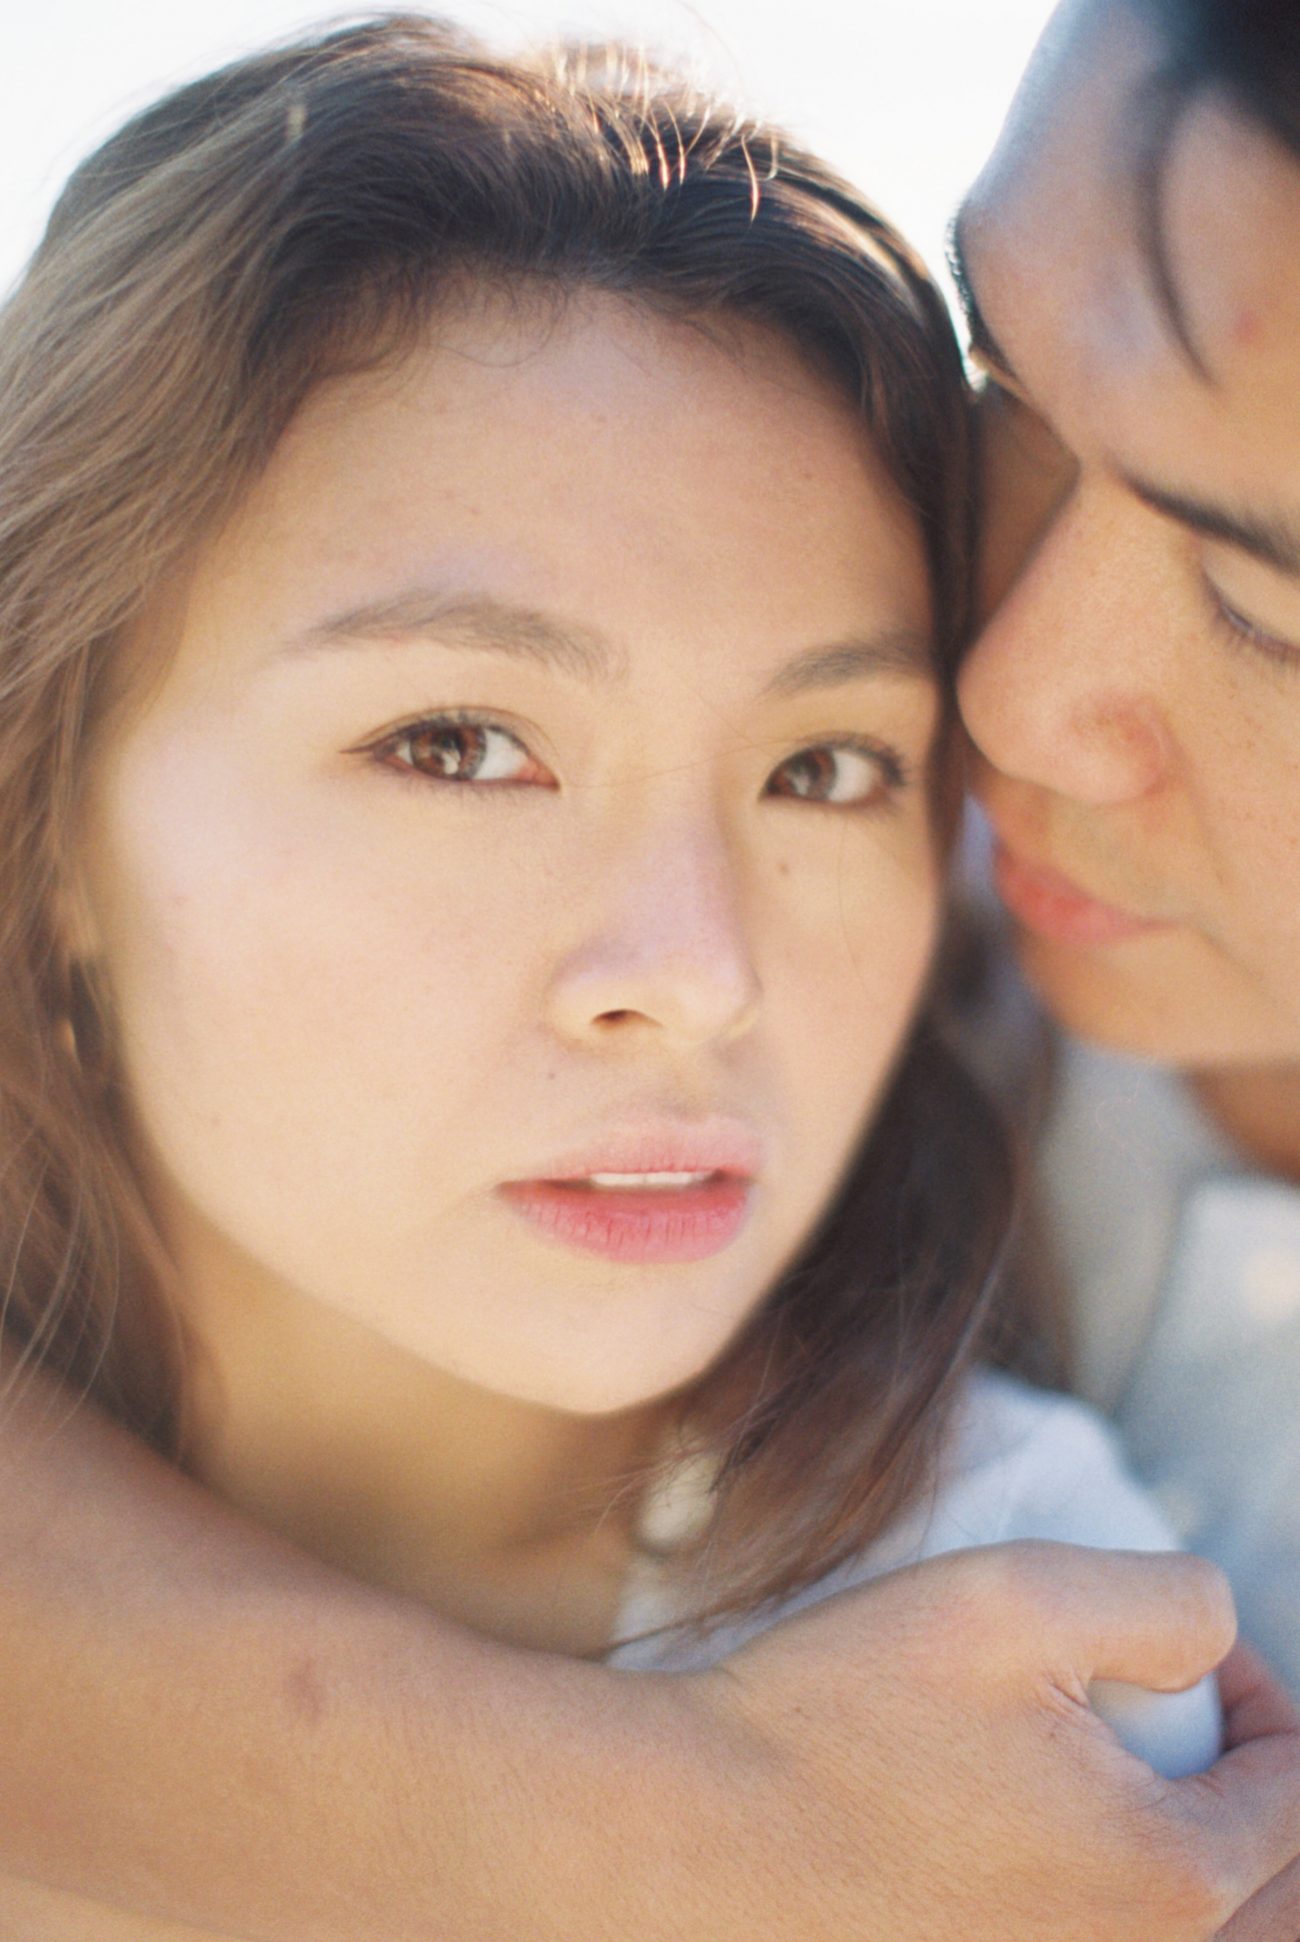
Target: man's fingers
x=1171, y=1622
x=1273, y=1915
x=1255, y=1702
x=1157, y=1619
x=1246, y=1809
x=1243, y=1816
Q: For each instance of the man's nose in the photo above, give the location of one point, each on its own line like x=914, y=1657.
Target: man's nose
x=667, y=951
x=1063, y=687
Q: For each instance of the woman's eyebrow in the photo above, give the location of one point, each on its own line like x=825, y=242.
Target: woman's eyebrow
x=893, y=651
x=475, y=621
x=484, y=624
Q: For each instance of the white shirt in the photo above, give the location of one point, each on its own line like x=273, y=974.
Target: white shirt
x=1184, y=1274
x=1019, y=1463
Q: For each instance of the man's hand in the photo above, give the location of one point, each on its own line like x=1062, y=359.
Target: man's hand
x=1263, y=1732
x=941, y=1774
x=200, y=1723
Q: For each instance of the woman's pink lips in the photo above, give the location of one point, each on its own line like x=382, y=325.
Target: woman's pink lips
x=638, y=1225
x=1053, y=907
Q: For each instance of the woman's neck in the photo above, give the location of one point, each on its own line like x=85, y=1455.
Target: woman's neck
x=496, y=1511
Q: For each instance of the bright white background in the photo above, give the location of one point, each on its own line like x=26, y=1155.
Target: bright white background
x=904, y=96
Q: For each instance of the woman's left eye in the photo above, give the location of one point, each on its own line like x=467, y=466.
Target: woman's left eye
x=463, y=749
x=843, y=774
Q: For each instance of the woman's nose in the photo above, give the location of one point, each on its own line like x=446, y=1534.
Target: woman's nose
x=668, y=951
x=1063, y=687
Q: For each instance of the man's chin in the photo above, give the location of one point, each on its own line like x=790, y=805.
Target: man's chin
x=1168, y=1001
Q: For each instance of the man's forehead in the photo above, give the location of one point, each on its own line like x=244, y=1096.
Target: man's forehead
x=1231, y=218
x=1064, y=231
x=1072, y=124
x=1051, y=225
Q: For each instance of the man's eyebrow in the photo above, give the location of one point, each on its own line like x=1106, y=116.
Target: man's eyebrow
x=1273, y=541
x=475, y=621
x=982, y=340
x=484, y=624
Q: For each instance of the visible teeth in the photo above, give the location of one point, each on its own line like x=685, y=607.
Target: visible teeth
x=666, y=1181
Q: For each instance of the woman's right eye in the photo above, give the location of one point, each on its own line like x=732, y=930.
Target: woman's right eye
x=463, y=749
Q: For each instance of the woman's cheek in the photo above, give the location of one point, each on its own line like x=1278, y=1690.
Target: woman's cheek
x=854, y=952
x=875, y=900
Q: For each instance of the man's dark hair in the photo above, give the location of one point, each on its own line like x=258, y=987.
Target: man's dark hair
x=1248, y=49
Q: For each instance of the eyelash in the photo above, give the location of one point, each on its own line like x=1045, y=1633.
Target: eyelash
x=384, y=750
x=1240, y=632
x=895, y=772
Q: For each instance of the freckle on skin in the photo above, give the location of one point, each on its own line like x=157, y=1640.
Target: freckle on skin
x=304, y=1688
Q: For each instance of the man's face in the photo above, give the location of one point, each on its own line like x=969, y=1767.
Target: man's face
x=1135, y=694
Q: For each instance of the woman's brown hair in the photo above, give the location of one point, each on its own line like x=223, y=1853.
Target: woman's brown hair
x=298, y=215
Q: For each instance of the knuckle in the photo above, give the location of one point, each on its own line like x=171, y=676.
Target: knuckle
x=995, y=1596
x=1184, y=1885
x=1019, y=1585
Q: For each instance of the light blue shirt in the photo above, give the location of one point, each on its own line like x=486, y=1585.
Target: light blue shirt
x=1020, y=1463
x=1184, y=1274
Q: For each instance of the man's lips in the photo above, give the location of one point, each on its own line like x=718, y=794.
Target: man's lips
x=1053, y=907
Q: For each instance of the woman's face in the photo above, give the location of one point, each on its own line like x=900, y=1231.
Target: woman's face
x=534, y=790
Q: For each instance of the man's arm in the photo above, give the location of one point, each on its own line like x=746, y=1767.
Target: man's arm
x=200, y=1723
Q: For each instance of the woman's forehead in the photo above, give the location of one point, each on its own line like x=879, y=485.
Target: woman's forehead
x=591, y=456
